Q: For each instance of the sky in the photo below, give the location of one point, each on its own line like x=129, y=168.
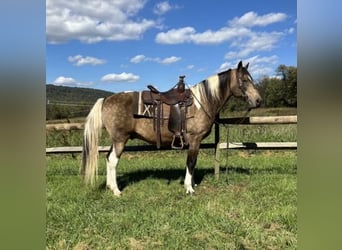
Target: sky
x=124, y=45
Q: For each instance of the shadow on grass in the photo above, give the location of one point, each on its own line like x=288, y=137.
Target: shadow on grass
x=170, y=175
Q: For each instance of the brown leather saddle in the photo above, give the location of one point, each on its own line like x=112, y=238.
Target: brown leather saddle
x=178, y=99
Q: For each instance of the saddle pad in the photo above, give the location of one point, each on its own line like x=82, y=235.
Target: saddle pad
x=139, y=108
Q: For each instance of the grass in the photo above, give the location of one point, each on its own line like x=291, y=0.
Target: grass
x=253, y=205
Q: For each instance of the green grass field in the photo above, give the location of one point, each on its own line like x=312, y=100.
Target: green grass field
x=253, y=205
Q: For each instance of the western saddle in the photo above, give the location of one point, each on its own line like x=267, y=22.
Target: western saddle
x=178, y=99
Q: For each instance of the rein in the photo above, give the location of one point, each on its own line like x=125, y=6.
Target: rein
x=227, y=136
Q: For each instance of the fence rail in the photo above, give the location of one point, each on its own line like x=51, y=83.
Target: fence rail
x=78, y=149
x=64, y=126
x=290, y=119
x=222, y=145
x=217, y=145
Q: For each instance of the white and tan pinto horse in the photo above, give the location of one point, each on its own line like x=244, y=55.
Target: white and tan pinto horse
x=116, y=115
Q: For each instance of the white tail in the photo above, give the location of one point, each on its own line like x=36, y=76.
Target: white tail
x=92, y=131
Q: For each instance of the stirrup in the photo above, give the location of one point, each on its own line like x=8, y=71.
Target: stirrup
x=181, y=142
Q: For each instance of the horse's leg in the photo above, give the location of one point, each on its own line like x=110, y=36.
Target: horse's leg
x=191, y=163
x=113, y=158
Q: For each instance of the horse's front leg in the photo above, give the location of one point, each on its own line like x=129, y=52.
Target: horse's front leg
x=191, y=163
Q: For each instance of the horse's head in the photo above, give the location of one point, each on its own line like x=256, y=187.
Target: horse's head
x=243, y=86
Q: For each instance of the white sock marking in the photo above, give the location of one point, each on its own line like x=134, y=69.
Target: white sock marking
x=188, y=182
x=112, y=162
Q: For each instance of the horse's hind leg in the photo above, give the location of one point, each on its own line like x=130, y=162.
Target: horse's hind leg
x=113, y=158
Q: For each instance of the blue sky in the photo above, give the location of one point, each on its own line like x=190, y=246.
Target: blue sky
x=121, y=45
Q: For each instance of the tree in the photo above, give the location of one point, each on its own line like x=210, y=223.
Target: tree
x=289, y=78
x=274, y=93
x=280, y=91
x=54, y=111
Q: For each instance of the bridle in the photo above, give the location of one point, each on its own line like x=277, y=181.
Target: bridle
x=242, y=85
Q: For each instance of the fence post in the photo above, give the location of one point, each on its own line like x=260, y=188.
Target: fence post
x=217, y=145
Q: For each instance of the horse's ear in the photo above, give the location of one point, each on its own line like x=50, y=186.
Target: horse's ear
x=247, y=65
x=239, y=65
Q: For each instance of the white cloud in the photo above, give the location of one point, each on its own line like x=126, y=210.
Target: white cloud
x=69, y=81
x=61, y=80
x=260, y=41
x=92, y=21
x=251, y=19
x=290, y=30
x=162, y=7
x=238, y=33
x=167, y=60
x=264, y=41
x=262, y=66
x=122, y=77
x=258, y=66
x=138, y=59
x=265, y=59
x=176, y=36
x=226, y=65
x=189, y=35
x=80, y=60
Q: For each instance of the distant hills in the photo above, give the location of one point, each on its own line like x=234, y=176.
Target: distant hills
x=73, y=94
x=69, y=102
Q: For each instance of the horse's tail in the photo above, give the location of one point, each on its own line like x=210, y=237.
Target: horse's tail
x=92, y=131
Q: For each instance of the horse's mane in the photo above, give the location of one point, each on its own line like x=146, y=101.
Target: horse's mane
x=211, y=90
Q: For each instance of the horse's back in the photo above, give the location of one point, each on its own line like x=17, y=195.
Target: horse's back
x=118, y=118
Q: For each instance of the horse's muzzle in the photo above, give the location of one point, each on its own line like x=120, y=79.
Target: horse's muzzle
x=255, y=103
x=258, y=102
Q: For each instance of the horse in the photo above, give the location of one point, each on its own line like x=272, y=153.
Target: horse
x=116, y=115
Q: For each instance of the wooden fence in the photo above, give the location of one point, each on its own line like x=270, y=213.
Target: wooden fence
x=261, y=120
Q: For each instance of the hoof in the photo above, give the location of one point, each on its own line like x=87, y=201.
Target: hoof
x=117, y=193
x=190, y=190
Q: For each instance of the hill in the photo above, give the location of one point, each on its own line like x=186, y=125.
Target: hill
x=68, y=102
x=73, y=94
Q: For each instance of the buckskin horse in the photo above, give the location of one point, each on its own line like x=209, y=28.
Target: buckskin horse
x=116, y=115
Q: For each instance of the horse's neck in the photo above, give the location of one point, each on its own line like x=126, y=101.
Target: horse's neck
x=220, y=102
x=218, y=107
x=227, y=90
x=211, y=98
x=211, y=108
